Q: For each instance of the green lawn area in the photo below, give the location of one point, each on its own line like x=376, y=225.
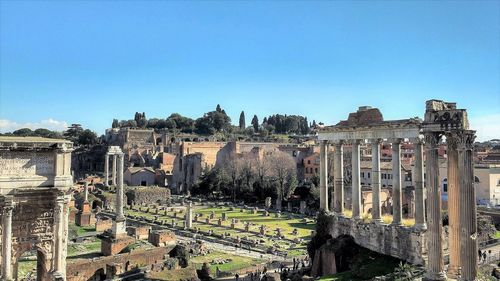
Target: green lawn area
x=497, y=235
x=75, y=230
x=238, y=262
x=91, y=247
x=287, y=225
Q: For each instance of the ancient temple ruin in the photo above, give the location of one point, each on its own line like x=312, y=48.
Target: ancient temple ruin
x=35, y=178
x=422, y=243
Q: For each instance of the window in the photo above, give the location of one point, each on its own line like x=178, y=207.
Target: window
x=316, y=170
x=362, y=174
x=368, y=175
x=308, y=161
x=307, y=170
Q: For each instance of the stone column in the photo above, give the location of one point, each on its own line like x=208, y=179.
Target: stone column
x=435, y=264
x=64, y=254
x=86, y=192
x=323, y=167
x=59, y=235
x=356, y=182
x=375, y=180
x=419, y=187
x=106, y=170
x=453, y=207
x=189, y=215
x=114, y=170
x=119, y=223
x=7, y=241
x=468, y=208
x=397, y=196
x=338, y=165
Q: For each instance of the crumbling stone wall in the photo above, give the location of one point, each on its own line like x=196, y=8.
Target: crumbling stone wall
x=147, y=195
x=400, y=242
x=86, y=269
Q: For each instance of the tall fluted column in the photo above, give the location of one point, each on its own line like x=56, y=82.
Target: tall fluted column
x=375, y=180
x=435, y=264
x=338, y=166
x=323, y=166
x=356, y=182
x=114, y=170
x=119, y=191
x=59, y=235
x=7, y=241
x=453, y=207
x=468, y=208
x=106, y=170
x=397, y=210
x=419, y=187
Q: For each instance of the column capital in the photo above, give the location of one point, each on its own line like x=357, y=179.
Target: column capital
x=465, y=139
x=432, y=140
x=339, y=143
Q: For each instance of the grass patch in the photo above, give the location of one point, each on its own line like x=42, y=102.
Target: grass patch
x=236, y=263
x=188, y=273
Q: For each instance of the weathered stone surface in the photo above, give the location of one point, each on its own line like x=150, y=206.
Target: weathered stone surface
x=147, y=195
x=162, y=238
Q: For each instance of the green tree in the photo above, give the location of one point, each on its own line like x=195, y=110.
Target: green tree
x=24, y=132
x=87, y=138
x=255, y=123
x=42, y=132
x=242, y=120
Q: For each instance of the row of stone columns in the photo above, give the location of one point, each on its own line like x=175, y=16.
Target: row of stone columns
x=337, y=202
x=113, y=171
x=461, y=207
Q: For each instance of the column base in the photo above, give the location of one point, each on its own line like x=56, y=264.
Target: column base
x=420, y=227
x=377, y=221
x=454, y=272
x=118, y=229
x=438, y=276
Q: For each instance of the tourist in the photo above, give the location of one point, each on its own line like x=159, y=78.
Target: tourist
x=237, y=277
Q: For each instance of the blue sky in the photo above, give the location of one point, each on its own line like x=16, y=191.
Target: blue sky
x=88, y=62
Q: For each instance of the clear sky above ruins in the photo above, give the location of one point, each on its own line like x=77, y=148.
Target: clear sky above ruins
x=89, y=62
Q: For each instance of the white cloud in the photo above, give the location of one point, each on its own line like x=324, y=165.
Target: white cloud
x=487, y=127
x=51, y=124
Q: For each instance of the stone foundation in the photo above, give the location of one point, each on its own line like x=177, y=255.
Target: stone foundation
x=111, y=246
x=161, y=238
x=139, y=232
x=400, y=242
x=94, y=269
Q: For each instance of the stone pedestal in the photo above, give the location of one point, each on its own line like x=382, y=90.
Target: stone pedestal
x=111, y=246
x=85, y=216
